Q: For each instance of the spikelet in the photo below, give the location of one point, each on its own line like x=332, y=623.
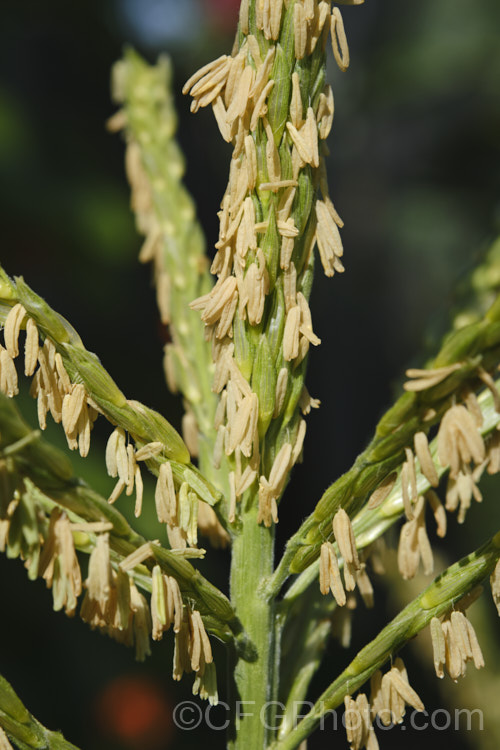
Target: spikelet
x=339, y=40
x=344, y=536
x=30, y=347
x=438, y=511
x=383, y=490
x=268, y=509
x=188, y=515
x=193, y=653
x=159, y=598
x=149, y=450
x=165, y=495
x=13, y=323
x=438, y=646
x=459, y=441
x=454, y=643
x=141, y=623
x=358, y=725
x=424, y=456
x=58, y=564
x=420, y=380
x=95, y=605
x=461, y=489
x=391, y=692
x=205, y=685
x=329, y=574
x=138, y=556
x=8, y=374
x=414, y=545
x=270, y=489
x=200, y=648
x=328, y=239
x=182, y=643
x=67, y=402
x=121, y=462
x=280, y=392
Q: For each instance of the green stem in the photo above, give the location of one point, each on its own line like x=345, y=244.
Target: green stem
x=251, y=565
x=22, y=728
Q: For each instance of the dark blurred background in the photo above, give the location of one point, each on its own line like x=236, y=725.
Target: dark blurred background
x=414, y=172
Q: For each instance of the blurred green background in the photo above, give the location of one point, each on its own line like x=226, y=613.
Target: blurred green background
x=414, y=172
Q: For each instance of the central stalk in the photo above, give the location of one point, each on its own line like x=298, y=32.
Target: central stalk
x=252, y=564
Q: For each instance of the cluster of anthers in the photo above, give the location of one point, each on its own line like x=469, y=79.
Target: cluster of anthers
x=355, y=573
x=175, y=247
x=68, y=402
x=390, y=693
x=329, y=571
x=270, y=221
x=454, y=643
x=178, y=509
x=461, y=450
x=44, y=543
x=113, y=604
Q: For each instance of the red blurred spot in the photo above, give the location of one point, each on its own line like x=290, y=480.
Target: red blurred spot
x=222, y=14
x=137, y=712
